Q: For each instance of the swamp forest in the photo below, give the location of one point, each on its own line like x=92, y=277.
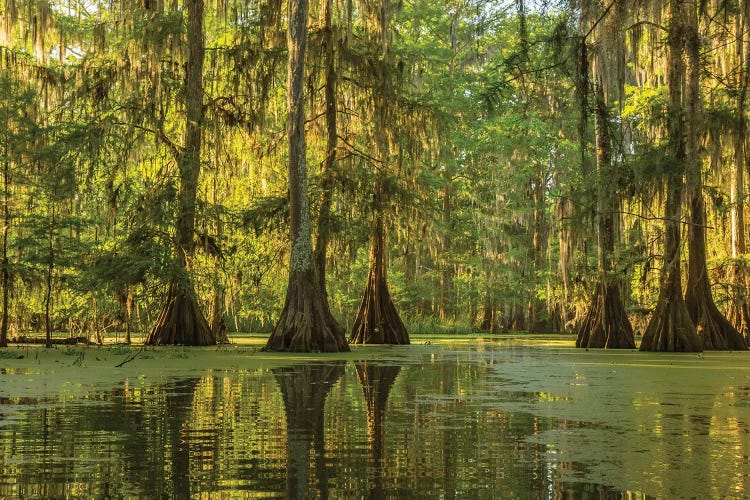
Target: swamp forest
x=340, y=172
x=466, y=248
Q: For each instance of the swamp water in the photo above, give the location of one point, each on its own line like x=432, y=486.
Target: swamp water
x=492, y=418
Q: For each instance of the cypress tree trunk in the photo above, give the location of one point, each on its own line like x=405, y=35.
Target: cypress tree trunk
x=218, y=321
x=713, y=328
x=181, y=320
x=128, y=313
x=539, y=247
x=306, y=323
x=670, y=327
x=377, y=320
x=324, y=218
x=606, y=324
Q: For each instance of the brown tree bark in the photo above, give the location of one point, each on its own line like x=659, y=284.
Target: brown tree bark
x=305, y=323
x=329, y=165
x=218, y=322
x=181, y=320
x=606, y=324
x=670, y=327
x=715, y=331
x=48, y=292
x=539, y=237
x=378, y=321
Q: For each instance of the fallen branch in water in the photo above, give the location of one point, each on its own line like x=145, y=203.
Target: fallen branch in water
x=130, y=358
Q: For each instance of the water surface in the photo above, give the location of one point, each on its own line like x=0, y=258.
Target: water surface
x=477, y=419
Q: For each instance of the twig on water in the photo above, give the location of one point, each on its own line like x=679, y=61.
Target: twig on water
x=130, y=358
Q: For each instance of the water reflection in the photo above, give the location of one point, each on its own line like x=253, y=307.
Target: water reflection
x=376, y=381
x=454, y=423
x=304, y=390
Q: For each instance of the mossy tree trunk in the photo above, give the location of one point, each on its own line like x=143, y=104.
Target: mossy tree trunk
x=181, y=320
x=606, y=323
x=715, y=331
x=378, y=321
x=670, y=327
x=447, y=269
x=305, y=323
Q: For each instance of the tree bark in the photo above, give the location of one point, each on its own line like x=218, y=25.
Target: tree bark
x=329, y=165
x=181, y=320
x=670, y=327
x=606, y=324
x=378, y=321
x=539, y=247
x=447, y=290
x=50, y=271
x=218, y=322
x=305, y=323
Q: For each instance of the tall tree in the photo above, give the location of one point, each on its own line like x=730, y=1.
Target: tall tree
x=670, y=327
x=713, y=328
x=606, y=323
x=305, y=323
x=181, y=320
x=15, y=132
x=378, y=321
x=739, y=313
x=330, y=161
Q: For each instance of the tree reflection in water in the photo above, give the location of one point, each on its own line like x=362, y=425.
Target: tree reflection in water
x=376, y=380
x=178, y=402
x=304, y=390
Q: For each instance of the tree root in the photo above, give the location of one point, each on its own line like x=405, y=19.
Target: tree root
x=180, y=322
x=377, y=320
x=715, y=331
x=606, y=323
x=306, y=324
x=670, y=328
